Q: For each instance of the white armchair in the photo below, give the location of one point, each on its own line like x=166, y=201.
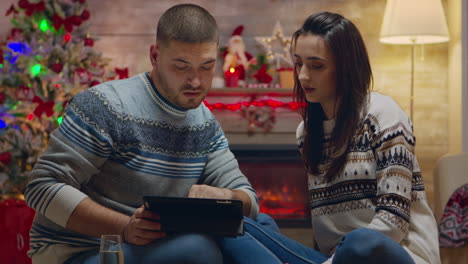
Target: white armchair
x=450, y=172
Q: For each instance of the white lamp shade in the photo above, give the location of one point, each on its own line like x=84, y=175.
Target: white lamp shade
x=414, y=22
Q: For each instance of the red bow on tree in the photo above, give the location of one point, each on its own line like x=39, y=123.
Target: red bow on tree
x=10, y=10
x=31, y=7
x=68, y=22
x=123, y=73
x=43, y=107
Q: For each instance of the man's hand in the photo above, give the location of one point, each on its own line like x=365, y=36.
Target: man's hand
x=206, y=191
x=140, y=230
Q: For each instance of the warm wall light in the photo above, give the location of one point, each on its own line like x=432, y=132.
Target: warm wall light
x=414, y=22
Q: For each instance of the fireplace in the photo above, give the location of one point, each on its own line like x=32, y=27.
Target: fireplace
x=277, y=174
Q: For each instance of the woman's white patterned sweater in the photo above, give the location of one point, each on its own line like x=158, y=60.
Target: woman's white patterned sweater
x=380, y=187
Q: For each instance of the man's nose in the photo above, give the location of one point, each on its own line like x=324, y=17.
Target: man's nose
x=194, y=79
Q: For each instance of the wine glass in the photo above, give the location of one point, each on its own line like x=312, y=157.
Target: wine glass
x=111, y=251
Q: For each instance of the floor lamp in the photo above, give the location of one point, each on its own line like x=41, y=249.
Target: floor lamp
x=414, y=22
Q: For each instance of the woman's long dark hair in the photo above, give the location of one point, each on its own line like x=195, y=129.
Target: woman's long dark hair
x=353, y=83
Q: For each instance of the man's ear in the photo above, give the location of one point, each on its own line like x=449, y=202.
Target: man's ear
x=154, y=52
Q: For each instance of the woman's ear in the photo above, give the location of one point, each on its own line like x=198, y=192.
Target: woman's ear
x=154, y=50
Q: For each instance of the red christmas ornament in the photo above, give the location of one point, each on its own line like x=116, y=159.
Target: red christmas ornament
x=123, y=73
x=12, y=9
x=5, y=157
x=2, y=98
x=67, y=37
x=88, y=42
x=85, y=15
x=56, y=67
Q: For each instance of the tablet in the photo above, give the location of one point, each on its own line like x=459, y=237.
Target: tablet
x=220, y=217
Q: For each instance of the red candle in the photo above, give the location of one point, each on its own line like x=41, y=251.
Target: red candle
x=231, y=76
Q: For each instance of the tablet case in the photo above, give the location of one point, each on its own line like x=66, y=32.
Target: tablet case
x=221, y=217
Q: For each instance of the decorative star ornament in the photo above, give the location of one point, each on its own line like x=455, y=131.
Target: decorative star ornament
x=277, y=47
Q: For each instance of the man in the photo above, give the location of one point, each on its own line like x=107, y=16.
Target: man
x=146, y=135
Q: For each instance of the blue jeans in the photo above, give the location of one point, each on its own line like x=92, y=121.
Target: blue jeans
x=184, y=248
x=263, y=244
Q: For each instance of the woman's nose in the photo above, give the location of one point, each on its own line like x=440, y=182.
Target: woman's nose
x=303, y=75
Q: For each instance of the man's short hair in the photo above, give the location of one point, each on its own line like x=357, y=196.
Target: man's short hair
x=187, y=23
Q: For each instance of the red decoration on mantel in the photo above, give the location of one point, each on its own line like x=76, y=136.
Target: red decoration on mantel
x=260, y=103
x=232, y=77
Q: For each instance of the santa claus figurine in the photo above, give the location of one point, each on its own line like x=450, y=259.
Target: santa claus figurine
x=236, y=57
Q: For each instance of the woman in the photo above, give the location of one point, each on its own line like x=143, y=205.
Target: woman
x=366, y=192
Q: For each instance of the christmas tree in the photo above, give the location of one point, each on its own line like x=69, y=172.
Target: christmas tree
x=46, y=59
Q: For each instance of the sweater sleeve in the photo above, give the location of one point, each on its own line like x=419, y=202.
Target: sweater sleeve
x=75, y=152
x=394, y=152
x=222, y=170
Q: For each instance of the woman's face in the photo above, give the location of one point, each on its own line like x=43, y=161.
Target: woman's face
x=316, y=70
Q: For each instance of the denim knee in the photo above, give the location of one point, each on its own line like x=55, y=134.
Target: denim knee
x=365, y=245
x=268, y=222
x=198, y=248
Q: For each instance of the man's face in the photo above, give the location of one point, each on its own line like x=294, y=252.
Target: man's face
x=183, y=72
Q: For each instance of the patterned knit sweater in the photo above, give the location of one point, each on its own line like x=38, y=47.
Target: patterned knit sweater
x=380, y=187
x=119, y=141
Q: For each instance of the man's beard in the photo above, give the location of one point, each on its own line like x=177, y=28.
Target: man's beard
x=176, y=97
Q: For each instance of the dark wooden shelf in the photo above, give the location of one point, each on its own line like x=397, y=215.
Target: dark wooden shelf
x=250, y=91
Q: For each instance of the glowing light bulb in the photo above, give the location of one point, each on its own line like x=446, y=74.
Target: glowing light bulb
x=44, y=25
x=67, y=37
x=35, y=70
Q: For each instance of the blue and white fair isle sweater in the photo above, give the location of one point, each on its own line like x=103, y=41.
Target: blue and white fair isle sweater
x=119, y=141
x=380, y=187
